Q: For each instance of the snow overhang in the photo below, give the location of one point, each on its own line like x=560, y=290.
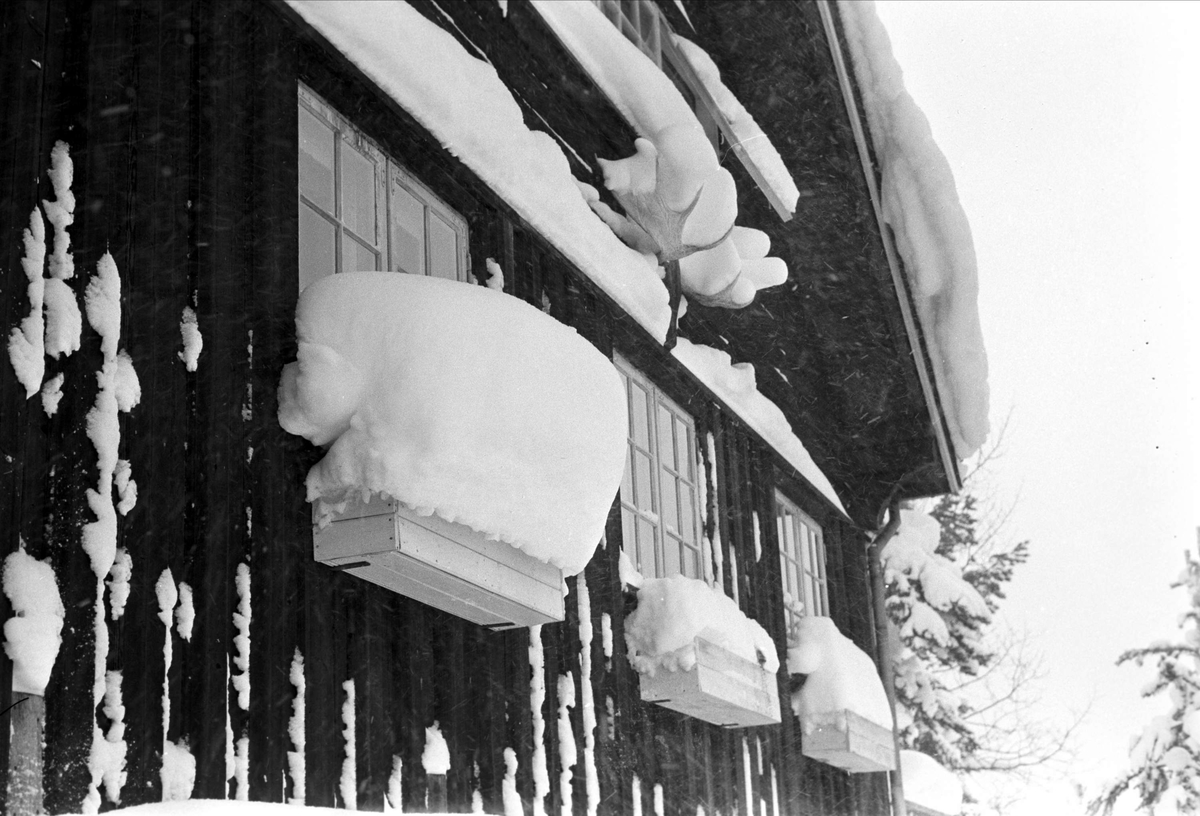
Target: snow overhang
x=458, y=401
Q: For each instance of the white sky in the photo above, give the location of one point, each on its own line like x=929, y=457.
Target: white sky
x=1072, y=131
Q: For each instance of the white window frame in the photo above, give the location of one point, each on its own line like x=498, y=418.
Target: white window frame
x=646, y=534
x=801, y=560
x=642, y=22
x=391, y=180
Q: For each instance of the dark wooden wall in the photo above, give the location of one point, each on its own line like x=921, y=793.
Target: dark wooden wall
x=181, y=120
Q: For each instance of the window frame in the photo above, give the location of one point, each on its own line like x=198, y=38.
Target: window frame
x=389, y=175
x=635, y=518
x=803, y=564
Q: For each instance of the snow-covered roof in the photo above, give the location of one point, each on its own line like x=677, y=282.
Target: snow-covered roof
x=920, y=202
x=426, y=389
x=928, y=784
x=840, y=676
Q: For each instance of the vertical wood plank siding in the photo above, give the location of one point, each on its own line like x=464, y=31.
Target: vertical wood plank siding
x=181, y=119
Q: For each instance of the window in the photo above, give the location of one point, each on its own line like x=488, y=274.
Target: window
x=802, y=559
x=361, y=210
x=660, y=513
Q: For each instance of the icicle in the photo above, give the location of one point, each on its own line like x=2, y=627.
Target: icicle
x=718, y=555
x=658, y=800
x=587, y=695
x=637, y=795
x=757, y=536
x=168, y=596
x=394, y=801
x=512, y=799
x=567, y=755
x=296, y=725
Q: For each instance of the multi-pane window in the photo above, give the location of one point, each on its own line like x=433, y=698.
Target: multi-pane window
x=660, y=513
x=802, y=559
x=360, y=210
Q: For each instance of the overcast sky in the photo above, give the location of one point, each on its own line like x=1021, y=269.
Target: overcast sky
x=1072, y=131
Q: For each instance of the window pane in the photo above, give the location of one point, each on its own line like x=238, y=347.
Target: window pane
x=672, y=563
x=646, y=563
x=316, y=160
x=670, y=513
x=684, y=461
x=443, y=248
x=687, y=513
x=629, y=533
x=356, y=257
x=642, y=484
x=408, y=232
x=627, y=480
x=358, y=193
x=666, y=440
x=316, y=246
x=691, y=563
x=639, y=423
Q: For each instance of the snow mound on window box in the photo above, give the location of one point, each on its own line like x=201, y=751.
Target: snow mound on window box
x=928, y=784
x=672, y=612
x=460, y=401
x=840, y=676
x=933, y=236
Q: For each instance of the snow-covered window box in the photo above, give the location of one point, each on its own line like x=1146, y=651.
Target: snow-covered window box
x=845, y=718
x=660, y=511
x=472, y=481
x=802, y=560
x=441, y=564
x=697, y=653
x=360, y=209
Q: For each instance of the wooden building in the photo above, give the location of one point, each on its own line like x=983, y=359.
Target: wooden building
x=183, y=121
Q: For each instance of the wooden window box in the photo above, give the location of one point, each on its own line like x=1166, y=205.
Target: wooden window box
x=853, y=743
x=722, y=688
x=445, y=565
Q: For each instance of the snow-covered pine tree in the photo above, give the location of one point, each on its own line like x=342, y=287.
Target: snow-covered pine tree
x=956, y=680
x=1165, y=757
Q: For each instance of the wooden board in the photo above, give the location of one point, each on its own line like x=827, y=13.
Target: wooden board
x=852, y=743
x=722, y=688
x=445, y=565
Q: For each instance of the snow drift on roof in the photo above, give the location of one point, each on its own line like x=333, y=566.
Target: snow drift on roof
x=672, y=612
x=841, y=676
x=465, y=105
x=461, y=401
x=933, y=236
x=928, y=784
x=736, y=386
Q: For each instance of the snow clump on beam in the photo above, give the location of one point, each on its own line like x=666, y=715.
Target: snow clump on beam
x=928, y=784
x=750, y=137
x=933, y=236
x=460, y=401
x=840, y=676
x=469, y=110
x=33, y=635
x=680, y=202
x=672, y=612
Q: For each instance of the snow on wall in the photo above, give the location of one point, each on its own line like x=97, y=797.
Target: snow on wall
x=587, y=694
x=348, y=784
x=735, y=385
x=178, y=772
x=118, y=582
x=933, y=236
x=61, y=212
x=427, y=390
x=435, y=758
x=465, y=105
x=929, y=784
x=537, y=699
x=841, y=676
x=168, y=595
x=52, y=393
x=394, y=801
x=716, y=551
x=508, y=788
x=32, y=636
x=108, y=754
x=677, y=197
x=749, y=135
x=185, y=613
x=241, y=641
x=567, y=754
x=26, y=350
x=193, y=341
x=295, y=757
x=672, y=612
